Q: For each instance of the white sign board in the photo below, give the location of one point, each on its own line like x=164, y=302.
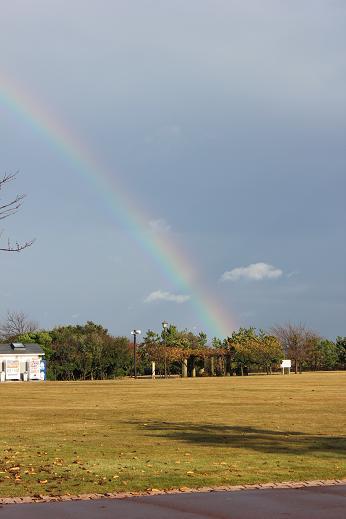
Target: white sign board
x=286, y=364
x=12, y=370
x=34, y=369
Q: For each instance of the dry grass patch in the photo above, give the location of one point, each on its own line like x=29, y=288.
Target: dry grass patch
x=60, y=437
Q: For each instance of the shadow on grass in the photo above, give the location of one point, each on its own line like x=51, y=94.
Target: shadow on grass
x=259, y=440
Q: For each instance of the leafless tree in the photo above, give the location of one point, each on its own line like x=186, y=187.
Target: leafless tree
x=296, y=341
x=17, y=323
x=8, y=209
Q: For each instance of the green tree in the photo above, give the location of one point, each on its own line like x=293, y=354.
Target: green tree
x=116, y=357
x=323, y=354
x=241, y=349
x=88, y=352
x=341, y=351
x=268, y=351
x=216, y=342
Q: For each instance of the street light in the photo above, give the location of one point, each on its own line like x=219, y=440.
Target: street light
x=135, y=333
x=165, y=326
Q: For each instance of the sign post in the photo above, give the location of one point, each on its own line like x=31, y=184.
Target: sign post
x=286, y=363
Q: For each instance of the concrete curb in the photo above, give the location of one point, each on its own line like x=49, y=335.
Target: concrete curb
x=156, y=492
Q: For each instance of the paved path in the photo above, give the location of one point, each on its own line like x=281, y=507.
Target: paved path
x=328, y=502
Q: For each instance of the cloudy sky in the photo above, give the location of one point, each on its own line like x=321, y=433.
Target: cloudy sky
x=223, y=121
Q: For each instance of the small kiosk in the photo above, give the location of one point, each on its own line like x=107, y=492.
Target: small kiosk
x=20, y=361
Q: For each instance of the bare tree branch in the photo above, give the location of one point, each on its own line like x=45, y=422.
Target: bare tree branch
x=296, y=341
x=9, y=209
x=17, y=323
x=17, y=247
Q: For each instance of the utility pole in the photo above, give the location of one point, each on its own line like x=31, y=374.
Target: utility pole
x=165, y=326
x=135, y=333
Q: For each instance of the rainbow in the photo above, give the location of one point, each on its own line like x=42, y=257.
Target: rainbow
x=169, y=257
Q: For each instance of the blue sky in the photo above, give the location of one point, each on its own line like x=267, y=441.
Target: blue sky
x=224, y=119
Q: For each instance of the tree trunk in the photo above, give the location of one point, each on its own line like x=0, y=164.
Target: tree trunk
x=212, y=366
x=228, y=365
x=184, y=368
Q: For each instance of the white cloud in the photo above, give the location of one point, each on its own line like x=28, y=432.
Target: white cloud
x=160, y=295
x=255, y=271
x=159, y=225
x=291, y=274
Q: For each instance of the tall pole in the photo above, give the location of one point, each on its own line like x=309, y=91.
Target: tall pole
x=165, y=326
x=135, y=354
x=135, y=333
x=165, y=345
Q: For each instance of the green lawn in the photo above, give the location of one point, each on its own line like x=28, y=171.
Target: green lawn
x=79, y=437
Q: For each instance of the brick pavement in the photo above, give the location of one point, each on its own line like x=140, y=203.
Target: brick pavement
x=151, y=492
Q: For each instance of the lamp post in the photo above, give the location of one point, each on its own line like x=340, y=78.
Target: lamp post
x=135, y=333
x=165, y=326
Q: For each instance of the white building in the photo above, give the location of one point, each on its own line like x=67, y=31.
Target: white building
x=21, y=362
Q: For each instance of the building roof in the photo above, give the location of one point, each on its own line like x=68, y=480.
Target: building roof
x=23, y=349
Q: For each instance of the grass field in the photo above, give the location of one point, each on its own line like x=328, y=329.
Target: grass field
x=60, y=437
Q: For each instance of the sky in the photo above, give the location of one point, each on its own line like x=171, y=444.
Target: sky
x=219, y=124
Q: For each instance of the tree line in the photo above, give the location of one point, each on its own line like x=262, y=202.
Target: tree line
x=73, y=352
x=245, y=350
x=89, y=351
